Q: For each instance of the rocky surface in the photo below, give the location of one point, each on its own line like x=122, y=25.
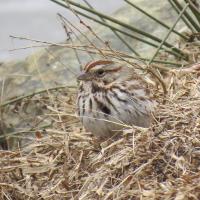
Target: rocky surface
x=44, y=69
x=52, y=67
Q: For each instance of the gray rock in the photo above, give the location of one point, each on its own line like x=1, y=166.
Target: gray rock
x=52, y=67
x=44, y=70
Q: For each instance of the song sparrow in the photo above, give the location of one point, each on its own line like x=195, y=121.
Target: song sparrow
x=111, y=95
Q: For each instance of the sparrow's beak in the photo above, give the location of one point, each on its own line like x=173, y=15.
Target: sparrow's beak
x=84, y=76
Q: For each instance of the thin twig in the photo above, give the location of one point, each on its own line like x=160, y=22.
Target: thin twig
x=126, y=33
x=32, y=40
x=69, y=38
x=31, y=130
x=91, y=43
x=165, y=38
x=117, y=34
x=3, y=104
x=128, y=26
x=64, y=65
x=109, y=53
x=87, y=26
x=76, y=36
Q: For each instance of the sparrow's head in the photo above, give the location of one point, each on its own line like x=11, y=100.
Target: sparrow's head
x=104, y=72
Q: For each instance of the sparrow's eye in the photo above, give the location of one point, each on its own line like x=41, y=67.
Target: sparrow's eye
x=100, y=73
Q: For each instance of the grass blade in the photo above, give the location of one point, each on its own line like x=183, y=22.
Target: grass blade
x=187, y=15
x=177, y=20
x=148, y=35
x=117, y=34
x=194, y=10
x=155, y=19
x=183, y=17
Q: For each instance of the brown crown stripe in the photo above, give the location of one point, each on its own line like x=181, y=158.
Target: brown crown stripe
x=98, y=62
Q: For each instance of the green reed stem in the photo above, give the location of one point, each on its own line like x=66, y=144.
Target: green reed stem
x=165, y=38
x=183, y=17
x=117, y=34
x=125, y=33
x=155, y=19
x=171, y=64
x=148, y=35
x=187, y=15
x=194, y=10
x=128, y=34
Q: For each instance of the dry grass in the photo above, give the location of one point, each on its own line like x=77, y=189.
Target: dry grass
x=162, y=162
x=158, y=163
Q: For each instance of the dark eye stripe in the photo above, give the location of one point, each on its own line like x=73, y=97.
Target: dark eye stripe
x=110, y=70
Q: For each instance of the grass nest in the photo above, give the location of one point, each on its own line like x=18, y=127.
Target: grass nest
x=65, y=162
